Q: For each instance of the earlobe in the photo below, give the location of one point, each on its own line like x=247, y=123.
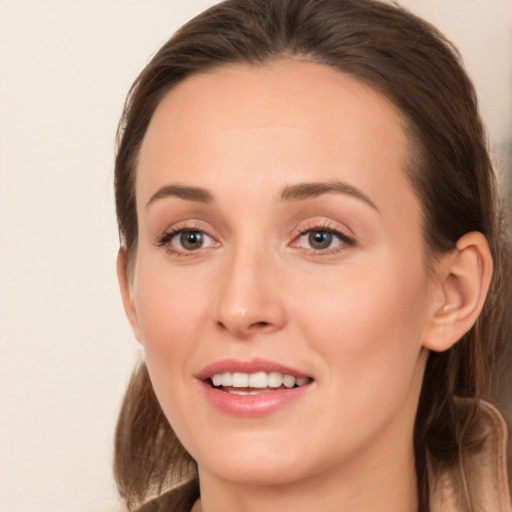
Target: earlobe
x=462, y=282
x=126, y=293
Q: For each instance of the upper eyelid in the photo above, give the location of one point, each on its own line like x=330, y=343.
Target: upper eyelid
x=341, y=230
x=188, y=225
x=323, y=225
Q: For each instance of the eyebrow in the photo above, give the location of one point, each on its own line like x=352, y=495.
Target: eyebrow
x=298, y=192
x=303, y=191
x=198, y=194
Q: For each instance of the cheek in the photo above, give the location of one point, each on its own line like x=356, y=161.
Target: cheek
x=366, y=333
x=170, y=307
x=368, y=324
x=172, y=314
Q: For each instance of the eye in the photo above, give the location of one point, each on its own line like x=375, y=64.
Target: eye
x=191, y=240
x=323, y=240
x=319, y=240
x=186, y=240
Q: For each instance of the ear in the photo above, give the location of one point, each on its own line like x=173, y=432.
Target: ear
x=461, y=284
x=126, y=293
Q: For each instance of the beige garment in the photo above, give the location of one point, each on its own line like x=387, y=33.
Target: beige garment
x=486, y=484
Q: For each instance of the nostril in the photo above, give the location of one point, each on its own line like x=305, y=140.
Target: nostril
x=259, y=324
x=243, y=331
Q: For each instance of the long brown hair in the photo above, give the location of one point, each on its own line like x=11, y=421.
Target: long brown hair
x=414, y=66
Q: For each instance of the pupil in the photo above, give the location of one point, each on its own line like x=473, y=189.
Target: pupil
x=191, y=240
x=320, y=239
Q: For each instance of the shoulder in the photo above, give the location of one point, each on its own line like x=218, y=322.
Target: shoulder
x=484, y=480
x=180, y=499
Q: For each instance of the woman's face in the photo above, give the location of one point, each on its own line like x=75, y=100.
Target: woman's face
x=279, y=235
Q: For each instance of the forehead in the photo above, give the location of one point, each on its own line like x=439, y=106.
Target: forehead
x=282, y=120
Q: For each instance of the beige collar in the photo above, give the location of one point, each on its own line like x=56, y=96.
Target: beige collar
x=485, y=482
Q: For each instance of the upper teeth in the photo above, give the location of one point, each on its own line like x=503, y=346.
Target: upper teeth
x=257, y=380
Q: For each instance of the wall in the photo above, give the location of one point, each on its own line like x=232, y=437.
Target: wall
x=65, y=347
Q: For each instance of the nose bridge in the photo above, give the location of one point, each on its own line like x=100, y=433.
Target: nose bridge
x=249, y=300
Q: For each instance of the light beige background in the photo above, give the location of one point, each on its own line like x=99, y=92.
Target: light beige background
x=65, y=347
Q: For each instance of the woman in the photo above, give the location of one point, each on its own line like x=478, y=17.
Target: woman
x=313, y=261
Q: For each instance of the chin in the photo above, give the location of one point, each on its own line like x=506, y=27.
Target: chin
x=257, y=461
x=256, y=472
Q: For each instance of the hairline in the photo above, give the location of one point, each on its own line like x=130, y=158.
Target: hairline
x=413, y=153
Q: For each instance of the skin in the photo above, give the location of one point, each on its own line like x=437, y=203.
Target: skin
x=358, y=317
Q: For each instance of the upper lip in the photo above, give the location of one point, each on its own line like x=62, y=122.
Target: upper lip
x=252, y=366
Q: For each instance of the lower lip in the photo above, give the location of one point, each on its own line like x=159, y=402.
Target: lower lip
x=259, y=404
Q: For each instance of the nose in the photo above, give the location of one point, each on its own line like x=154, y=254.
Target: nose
x=250, y=299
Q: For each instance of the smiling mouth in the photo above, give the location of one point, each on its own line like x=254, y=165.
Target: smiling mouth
x=238, y=383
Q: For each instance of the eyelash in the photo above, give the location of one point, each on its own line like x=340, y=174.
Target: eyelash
x=345, y=240
x=166, y=238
